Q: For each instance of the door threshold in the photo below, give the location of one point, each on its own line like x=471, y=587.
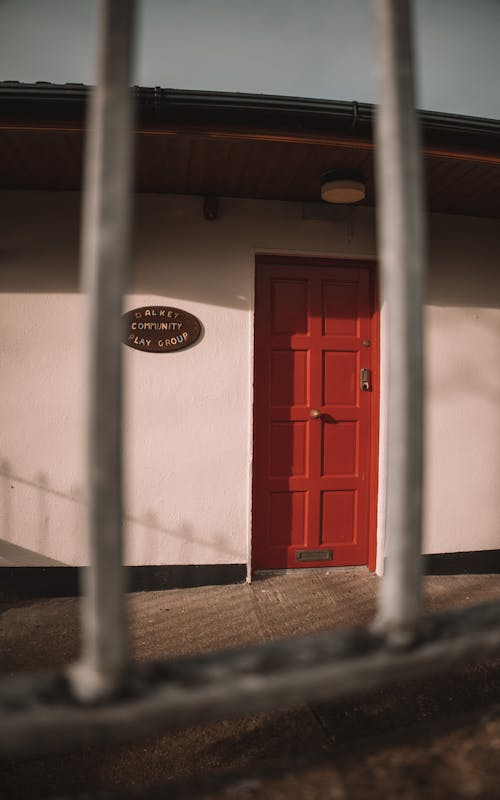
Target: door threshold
x=262, y=574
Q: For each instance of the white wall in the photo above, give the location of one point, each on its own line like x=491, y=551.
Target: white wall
x=463, y=381
x=189, y=413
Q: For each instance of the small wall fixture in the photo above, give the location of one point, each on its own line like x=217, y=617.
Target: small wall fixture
x=342, y=187
x=210, y=208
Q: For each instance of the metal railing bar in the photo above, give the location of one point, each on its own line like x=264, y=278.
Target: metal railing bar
x=401, y=236
x=39, y=715
x=105, y=257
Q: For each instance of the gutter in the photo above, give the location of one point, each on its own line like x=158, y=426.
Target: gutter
x=48, y=102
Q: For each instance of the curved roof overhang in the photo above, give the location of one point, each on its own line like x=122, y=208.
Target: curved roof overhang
x=241, y=145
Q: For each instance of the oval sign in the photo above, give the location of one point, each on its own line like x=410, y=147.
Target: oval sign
x=160, y=329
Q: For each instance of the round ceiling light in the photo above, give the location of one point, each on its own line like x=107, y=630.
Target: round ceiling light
x=342, y=187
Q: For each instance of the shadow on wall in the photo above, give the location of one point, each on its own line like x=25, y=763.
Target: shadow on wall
x=39, y=536
x=463, y=262
x=12, y=554
x=43, y=541
x=177, y=254
x=40, y=240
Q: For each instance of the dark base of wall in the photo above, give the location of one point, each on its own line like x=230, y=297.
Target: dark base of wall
x=476, y=562
x=28, y=583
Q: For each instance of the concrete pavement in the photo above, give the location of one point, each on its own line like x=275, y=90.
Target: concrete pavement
x=438, y=738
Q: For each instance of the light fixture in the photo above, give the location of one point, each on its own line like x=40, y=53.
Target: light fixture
x=339, y=186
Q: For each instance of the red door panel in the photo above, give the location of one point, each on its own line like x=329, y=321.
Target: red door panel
x=314, y=332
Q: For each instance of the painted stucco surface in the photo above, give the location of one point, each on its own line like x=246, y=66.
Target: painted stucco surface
x=188, y=414
x=188, y=441
x=463, y=382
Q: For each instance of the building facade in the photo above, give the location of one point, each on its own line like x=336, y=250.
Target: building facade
x=259, y=446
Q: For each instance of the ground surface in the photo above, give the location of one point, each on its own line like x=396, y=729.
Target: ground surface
x=438, y=738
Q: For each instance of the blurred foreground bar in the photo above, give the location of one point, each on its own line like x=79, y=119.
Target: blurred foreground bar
x=401, y=237
x=105, y=260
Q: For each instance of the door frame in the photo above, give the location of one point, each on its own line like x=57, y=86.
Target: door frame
x=369, y=264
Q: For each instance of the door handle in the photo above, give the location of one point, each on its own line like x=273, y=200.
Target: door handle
x=365, y=380
x=314, y=413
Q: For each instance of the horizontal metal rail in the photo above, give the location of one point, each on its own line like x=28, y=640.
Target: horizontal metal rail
x=40, y=714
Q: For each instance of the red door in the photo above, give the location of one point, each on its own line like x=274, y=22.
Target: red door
x=314, y=334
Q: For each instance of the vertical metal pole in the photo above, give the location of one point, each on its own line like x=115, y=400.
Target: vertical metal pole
x=105, y=257
x=402, y=258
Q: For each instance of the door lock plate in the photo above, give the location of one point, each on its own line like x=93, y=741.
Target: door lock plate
x=365, y=380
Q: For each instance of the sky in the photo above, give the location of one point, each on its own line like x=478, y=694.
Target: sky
x=316, y=49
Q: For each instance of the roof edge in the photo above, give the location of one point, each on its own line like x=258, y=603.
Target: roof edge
x=52, y=101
